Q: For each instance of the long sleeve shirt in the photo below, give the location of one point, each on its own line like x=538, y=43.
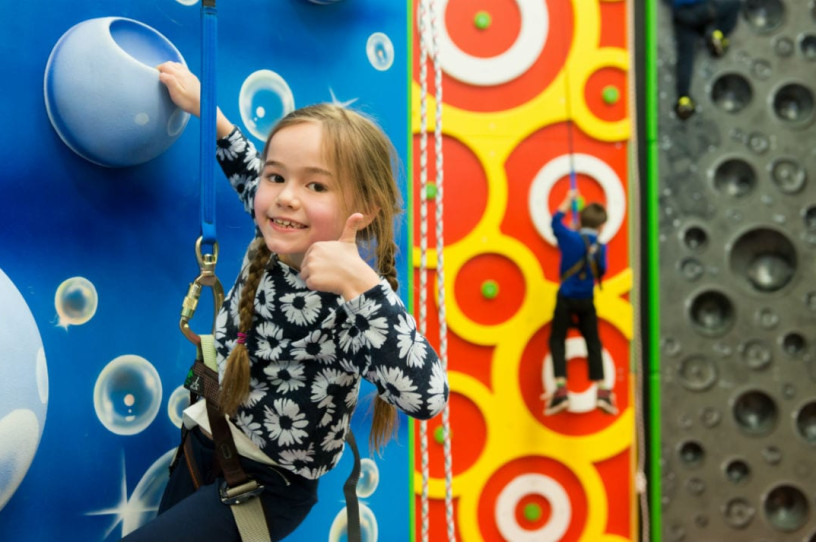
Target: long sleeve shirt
x=573, y=249
x=309, y=351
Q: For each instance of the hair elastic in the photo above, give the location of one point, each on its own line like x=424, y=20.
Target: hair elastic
x=241, y=338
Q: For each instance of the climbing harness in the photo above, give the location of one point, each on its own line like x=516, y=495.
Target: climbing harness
x=238, y=490
x=588, y=261
x=430, y=16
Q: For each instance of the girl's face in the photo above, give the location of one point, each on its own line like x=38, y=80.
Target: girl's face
x=298, y=201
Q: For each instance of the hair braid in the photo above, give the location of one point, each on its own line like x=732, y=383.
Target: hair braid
x=235, y=385
x=384, y=420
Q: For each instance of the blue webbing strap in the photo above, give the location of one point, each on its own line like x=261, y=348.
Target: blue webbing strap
x=208, y=108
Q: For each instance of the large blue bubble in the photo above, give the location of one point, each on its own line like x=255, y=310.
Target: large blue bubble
x=23, y=388
x=103, y=95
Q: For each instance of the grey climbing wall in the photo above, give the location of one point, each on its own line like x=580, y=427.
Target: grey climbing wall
x=737, y=208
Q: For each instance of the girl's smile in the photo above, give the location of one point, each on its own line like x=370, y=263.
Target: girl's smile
x=299, y=200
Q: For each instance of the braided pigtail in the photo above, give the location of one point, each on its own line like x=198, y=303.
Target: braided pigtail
x=384, y=421
x=235, y=384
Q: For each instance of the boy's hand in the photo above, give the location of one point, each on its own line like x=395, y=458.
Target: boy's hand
x=183, y=86
x=566, y=205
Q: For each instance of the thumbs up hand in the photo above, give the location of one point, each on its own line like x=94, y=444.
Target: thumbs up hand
x=336, y=266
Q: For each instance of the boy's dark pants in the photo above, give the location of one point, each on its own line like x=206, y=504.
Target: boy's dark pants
x=583, y=310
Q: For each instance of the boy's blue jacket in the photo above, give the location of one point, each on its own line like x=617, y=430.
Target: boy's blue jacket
x=572, y=248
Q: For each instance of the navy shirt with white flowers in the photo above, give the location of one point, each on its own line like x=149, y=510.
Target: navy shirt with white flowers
x=309, y=350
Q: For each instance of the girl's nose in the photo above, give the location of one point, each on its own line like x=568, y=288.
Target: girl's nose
x=287, y=196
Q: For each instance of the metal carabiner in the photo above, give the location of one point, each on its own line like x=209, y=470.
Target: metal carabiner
x=207, y=278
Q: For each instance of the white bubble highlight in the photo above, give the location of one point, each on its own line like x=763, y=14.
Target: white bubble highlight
x=19, y=437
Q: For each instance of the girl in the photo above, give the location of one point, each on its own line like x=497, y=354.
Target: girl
x=306, y=319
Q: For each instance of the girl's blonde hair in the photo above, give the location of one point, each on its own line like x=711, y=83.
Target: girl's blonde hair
x=365, y=162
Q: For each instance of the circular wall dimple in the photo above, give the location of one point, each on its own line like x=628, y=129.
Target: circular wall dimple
x=731, y=92
x=788, y=175
x=807, y=46
x=697, y=373
x=763, y=15
x=755, y=413
x=806, y=422
x=737, y=471
x=794, y=344
x=691, y=268
x=783, y=46
x=734, y=177
x=738, y=513
x=691, y=453
x=763, y=259
x=756, y=354
x=793, y=104
x=809, y=217
x=786, y=508
x=695, y=238
x=712, y=313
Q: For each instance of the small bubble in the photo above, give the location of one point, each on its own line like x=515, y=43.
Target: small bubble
x=127, y=395
x=264, y=98
x=369, y=478
x=179, y=400
x=76, y=301
x=380, y=51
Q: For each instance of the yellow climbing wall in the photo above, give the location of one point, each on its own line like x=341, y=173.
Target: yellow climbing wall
x=531, y=91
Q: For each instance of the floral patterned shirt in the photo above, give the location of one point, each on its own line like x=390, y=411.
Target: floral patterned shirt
x=309, y=349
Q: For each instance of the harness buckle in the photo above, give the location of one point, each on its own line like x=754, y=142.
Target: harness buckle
x=239, y=494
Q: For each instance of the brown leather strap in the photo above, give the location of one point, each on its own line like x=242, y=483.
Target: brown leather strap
x=189, y=458
x=203, y=382
x=225, y=451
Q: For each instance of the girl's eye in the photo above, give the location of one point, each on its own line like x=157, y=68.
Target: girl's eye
x=274, y=177
x=317, y=187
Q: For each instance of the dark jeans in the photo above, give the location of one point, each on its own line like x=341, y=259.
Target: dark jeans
x=583, y=311
x=187, y=515
x=695, y=21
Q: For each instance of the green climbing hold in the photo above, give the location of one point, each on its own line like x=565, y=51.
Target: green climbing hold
x=610, y=94
x=490, y=289
x=430, y=191
x=482, y=20
x=532, y=512
x=439, y=435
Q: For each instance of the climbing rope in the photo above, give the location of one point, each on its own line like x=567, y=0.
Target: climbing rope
x=430, y=23
x=423, y=240
x=570, y=141
x=437, y=14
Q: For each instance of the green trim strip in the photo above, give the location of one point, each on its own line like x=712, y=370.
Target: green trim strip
x=409, y=223
x=653, y=273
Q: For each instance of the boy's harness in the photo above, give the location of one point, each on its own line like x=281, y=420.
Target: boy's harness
x=588, y=260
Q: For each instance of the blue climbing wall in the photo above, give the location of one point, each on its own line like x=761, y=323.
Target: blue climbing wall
x=100, y=213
